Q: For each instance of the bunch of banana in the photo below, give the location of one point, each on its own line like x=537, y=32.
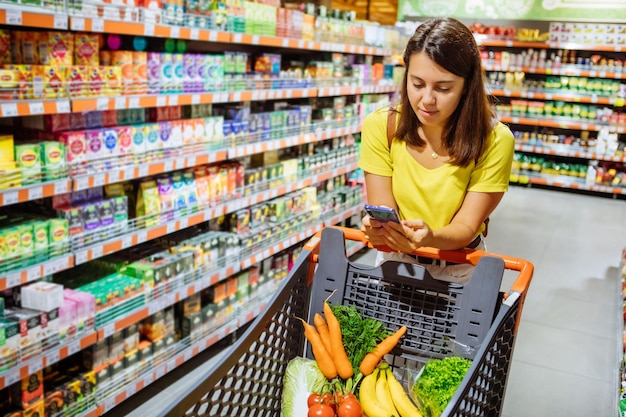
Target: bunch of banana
x=382, y=395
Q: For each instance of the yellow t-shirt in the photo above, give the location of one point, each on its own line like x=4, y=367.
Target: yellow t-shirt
x=433, y=195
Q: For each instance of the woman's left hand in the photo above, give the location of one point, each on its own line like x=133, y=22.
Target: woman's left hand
x=408, y=236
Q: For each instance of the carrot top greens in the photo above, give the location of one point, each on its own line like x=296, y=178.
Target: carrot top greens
x=360, y=335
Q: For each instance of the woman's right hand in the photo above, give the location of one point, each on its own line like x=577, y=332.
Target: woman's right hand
x=373, y=230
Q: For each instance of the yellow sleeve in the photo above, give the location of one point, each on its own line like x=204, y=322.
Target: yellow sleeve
x=375, y=156
x=493, y=169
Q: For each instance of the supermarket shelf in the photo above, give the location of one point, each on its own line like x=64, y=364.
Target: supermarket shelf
x=353, y=90
x=37, y=17
x=568, y=151
x=81, y=182
x=99, y=250
x=52, y=355
x=34, y=272
x=566, y=70
x=32, y=108
x=166, y=300
x=353, y=247
x=550, y=45
x=565, y=182
x=575, y=98
x=560, y=124
x=33, y=192
x=136, y=102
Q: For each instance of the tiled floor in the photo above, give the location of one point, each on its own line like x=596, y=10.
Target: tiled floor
x=569, y=341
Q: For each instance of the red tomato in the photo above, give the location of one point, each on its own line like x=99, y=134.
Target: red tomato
x=313, y=399
x=349, y=408
x=321, y=410
x=328, y=399
x=341, y=396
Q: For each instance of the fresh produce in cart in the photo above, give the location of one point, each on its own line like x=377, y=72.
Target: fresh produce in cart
x=348, y=351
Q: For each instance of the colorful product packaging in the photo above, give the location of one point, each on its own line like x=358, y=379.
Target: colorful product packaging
x=153, y=72
x=5, y=47
x=138, y=137
x=140, y=75
x=113, y=81
x=56, y=49
x=152, y=137
x=95, y=144
x=95, y=80
x=124, y=60
x=28, y=156
x=86, y=49
x=76, y=77
x=148, y=203
x=24, y=81
x=166, y=73
x=75, y=146
x=124, y=140
x=190, y=70
x=51, y=78
x=54, y=159
x=28, y=47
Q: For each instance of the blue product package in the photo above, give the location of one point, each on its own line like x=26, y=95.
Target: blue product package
x=190, y=189
x=253, y=124
x=165, y=133
x=180, y=198
x=93, y=119
x=152, y=141
x=227, y=130
x=110, y=142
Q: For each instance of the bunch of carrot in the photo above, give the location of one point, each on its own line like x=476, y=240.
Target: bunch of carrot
x=329, y=352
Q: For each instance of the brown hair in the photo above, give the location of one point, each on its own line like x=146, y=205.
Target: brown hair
x=451, y=45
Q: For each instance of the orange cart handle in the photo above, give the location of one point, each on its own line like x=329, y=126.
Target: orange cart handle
x=468, y=256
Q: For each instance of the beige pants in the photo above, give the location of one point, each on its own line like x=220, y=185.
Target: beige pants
x=460, y=273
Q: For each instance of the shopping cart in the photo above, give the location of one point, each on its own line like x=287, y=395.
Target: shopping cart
x=442, y=319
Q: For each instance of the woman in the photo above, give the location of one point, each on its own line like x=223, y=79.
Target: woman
x=448, y=163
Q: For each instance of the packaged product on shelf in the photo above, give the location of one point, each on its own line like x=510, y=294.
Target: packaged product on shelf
x=165, y=135
x=166, y=73
x=113, y=81
x=28, y=157
x=124, y=60
x=5, y=47
x=148, y=203
x=176, y=134
x=95, y=80
x=153, y=72
x=111, y=142
x=140, y=74
x=86, y=49
x=56, y=49
x=90, y=219
x=152, y=137
x=28, y=391
x=178, y=73
x=52, y=81
x=27, y=47
x=54, y=159
x=29, y=322
x=166, y=197
x=76, y=79
x=9, y=343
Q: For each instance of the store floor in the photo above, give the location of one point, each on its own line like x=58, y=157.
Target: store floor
x=569, y=342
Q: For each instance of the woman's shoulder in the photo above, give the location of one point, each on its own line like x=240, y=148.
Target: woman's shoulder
x=380, y=115
x=501, y=133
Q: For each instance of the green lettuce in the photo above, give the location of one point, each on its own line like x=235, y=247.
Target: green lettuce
x=437, y=383
x=302, y=377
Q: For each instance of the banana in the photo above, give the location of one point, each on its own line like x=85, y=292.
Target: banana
x=401, y=400
x=369, y=400
x=382, y=392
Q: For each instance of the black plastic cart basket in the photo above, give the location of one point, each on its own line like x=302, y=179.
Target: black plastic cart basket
x=442, y=319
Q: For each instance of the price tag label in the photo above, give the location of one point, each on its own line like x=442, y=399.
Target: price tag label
x=236, y=96
x=36, y=108
x=114, y=176
x=9, y=197
x=81, y=257
x=173, y=100
x=143, y=171
x=11, y=378
x=141, y=237
x=175, y=32
x=98, y=180
x=63, y=106
x=81, y=183
x=60, y=21
x=33, y=273
x=13, y=280
x=53, y=357
x=102, y=104
x=35, y=193
x=184, y=223
x=9, y=109
x=96, y=252
x=148, y=379
x=168, y=165
x=53, y=267
x=78, y=23
x=159, y=372
x=237, y=38
x=109, y=329
x=161, y=101
x=195, y=99
x=120, y=103
x=35, y=366
x=97, y=25
x=14, y=17
x=148, y=29
x=109, y=404
x=194, y=34
x=73, y=347
x=255, y=39
x=127, y=242
x=171, y=228
x=212, y=36
x=133, y=103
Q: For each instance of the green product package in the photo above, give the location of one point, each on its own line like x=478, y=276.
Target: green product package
x=28, y=156
x=54, y=159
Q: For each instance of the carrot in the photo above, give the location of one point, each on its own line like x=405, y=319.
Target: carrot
x=369, y=362
x=337, y=350
x=322, y=356
x=322, y=329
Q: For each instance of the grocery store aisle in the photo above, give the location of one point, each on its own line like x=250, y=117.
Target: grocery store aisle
x=569, y=341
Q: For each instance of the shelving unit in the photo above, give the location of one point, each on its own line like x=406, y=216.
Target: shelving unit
x=528, y=120
x=150, y=301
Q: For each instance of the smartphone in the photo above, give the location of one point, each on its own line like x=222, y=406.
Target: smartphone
x=382, y=214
